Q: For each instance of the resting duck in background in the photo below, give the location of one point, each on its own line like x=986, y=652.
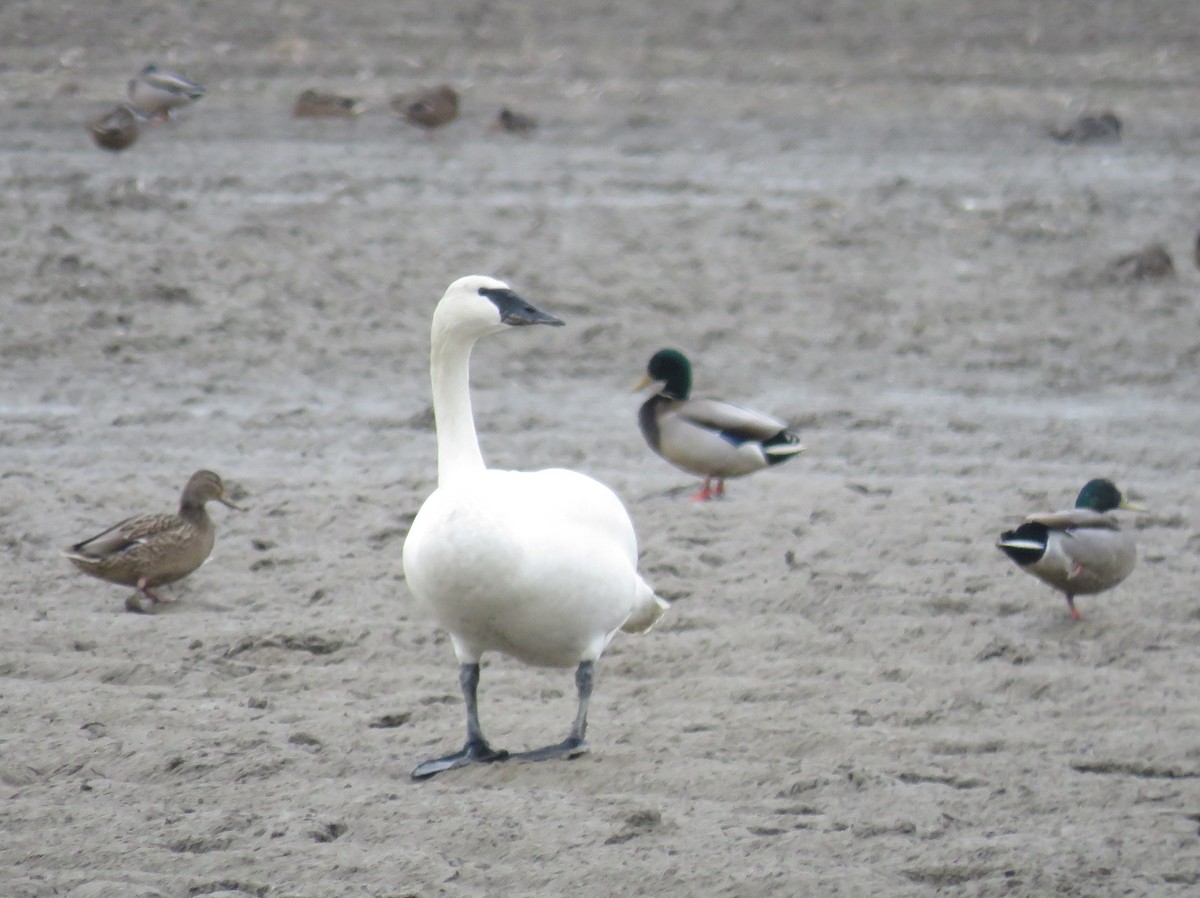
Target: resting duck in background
x=117, y=129
x=513, y=122
x=1102, y=128
x=317, y=104
x=428, y=108
x=155, y=93
x=708, y=437
x=1081, y=551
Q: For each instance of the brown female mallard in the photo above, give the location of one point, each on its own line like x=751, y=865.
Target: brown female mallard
x=152, y=549
x=315, y=104
x=428, y=108
x=1080, y=551
x=116, y=130
x=1148, y=263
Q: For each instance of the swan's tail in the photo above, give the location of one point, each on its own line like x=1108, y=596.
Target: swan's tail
x=648, y=610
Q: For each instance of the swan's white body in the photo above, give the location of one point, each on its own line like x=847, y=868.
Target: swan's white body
x=539, y=565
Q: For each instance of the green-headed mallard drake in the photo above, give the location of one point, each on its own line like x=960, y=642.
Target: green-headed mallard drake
x=1080, y=551
x=714, y=439
x=152, y=549
x=116, y=130
x=155, y=93
x=315, y=104
x=514, y=122
x=1102, y=128
x=428, y=108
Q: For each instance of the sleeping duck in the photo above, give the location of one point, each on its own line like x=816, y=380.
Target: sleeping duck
x=317, y=104
x=1102, y=128
x=539, y=565
x=428, y=108
x=512, y=122
x=708, y=437
x=1081, y=551
x=116, y=129
x=153, y=549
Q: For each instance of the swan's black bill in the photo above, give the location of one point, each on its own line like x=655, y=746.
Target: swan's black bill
x=516, y=311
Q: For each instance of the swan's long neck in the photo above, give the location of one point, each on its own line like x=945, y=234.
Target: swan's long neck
x=450, y=371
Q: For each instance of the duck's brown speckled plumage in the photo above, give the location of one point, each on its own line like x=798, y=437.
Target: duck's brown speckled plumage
x=116, y=129
x=315, y=104
x=428, y=108
x=149, y=550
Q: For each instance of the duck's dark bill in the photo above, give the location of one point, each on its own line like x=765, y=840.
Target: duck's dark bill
x=516, y=311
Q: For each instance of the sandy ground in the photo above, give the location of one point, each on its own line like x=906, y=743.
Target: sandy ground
x=848, y=216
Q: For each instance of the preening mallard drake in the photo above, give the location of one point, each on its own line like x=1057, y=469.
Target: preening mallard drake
x=315, y=104
x=155, y=93
x=708, y=437
x=116, y=129
x=540, y=565
x=1080, y=551
x=428, y=108
x=152, y=549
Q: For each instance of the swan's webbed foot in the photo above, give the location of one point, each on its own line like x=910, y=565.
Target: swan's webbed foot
x=571, y=747
x=474, y=752
x=476, y=749
x=574, y=745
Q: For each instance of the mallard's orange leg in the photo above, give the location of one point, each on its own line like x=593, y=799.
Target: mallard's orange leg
x=145, y=590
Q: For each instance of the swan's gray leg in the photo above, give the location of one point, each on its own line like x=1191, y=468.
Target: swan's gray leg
x=574, y=744
x=476, y=750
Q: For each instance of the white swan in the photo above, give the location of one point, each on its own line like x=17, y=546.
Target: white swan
x=539, y=565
